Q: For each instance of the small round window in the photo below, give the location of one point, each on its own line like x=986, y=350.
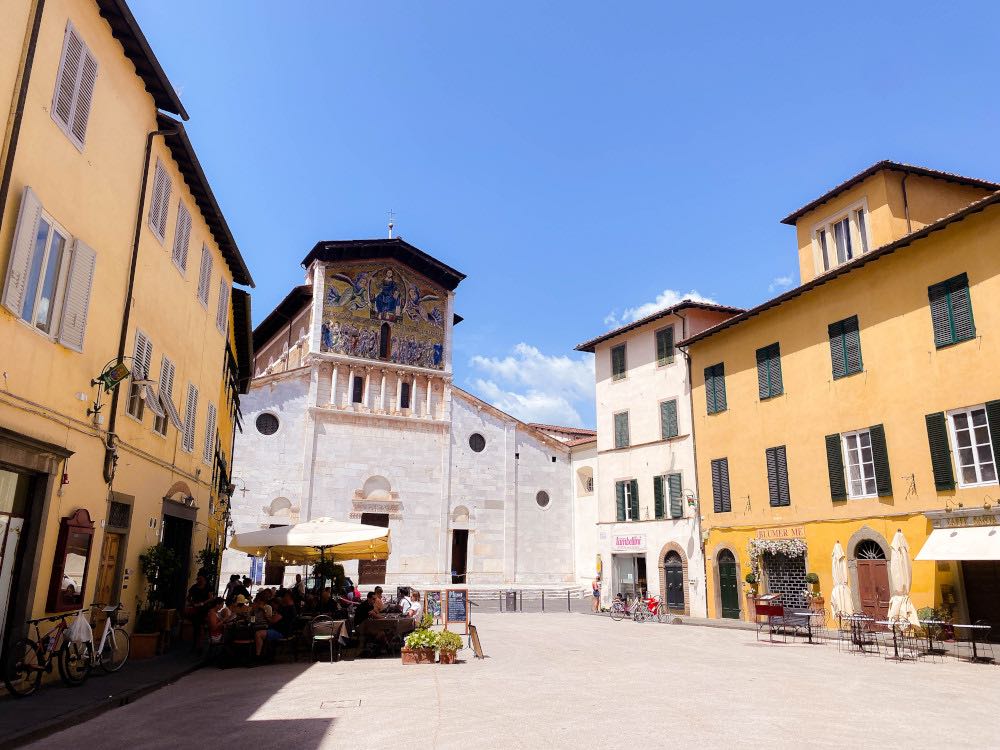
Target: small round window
x=267, y=424
x=477, y=442
x=542, y=498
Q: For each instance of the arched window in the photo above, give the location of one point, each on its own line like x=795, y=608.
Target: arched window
x=869, y=549
x=385, y=342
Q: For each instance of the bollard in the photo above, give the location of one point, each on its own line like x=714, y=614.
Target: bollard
x=569, y=607
x=543, y=600
x=520, y=597
x=500, y=600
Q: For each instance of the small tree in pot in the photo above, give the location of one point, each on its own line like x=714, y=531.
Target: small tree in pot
x=448, y=644
x=159, y=567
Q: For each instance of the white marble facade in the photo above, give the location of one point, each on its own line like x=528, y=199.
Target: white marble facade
x=415, y=463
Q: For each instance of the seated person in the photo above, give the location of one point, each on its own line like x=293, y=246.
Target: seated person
x=415, y=610
x=264, y=620
x=366, y=611
x=326, y=604
x=198, y=597
x=287, y=614
x=239, y=610
x=217, y=619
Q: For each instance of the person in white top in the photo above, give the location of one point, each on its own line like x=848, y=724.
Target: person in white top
x=415, y=610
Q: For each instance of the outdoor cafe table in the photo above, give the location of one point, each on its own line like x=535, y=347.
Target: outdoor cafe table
x=976, y=630
x=809, y=620
x=894, y=624
x=930, y=642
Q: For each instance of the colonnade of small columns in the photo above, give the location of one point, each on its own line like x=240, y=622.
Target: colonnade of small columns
x=384, y=390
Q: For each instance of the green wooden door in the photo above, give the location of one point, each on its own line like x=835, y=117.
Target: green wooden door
x=729, y=585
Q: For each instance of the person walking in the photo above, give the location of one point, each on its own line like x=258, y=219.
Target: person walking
x=595, y=588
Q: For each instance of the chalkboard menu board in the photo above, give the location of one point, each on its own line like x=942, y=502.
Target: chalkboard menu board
x=457, y=608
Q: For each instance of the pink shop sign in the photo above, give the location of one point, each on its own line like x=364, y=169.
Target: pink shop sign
x=628, y=543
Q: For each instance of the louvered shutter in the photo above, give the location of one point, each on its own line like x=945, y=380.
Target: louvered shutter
x=937, y=439
x=668, y=419
x=182, y=237
x=937, y=295
x=837, y=357
x=67, y=78
x=634, y=500
x=205, y=274
x=782, y=462
x=142, y=356
x=620, y=500
x=222, y=311
x=880, y=457
x=715, y=388
x=160, y=200
x=676, y=499
x=961, y=309
x=763, y=374
x=658, y=510
x=190, y=417
x=665, y=346
x=84, y=97
x=621, y=430
x=618, y=362
x=835, y=467
x=993, y=420
x=76, y=303
x=167, y=393
x=210, y=425
x=852, y=345
x=722, y=502
x=774, y=369
x=777, y=477
x=21, y=252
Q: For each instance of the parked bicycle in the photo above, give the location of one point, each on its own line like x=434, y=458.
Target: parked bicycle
x=639, y=609
x=112, y=649
x=28, y=658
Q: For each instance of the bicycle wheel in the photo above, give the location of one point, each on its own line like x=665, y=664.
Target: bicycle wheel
x=661, y=612
x=75, y=662
x=22, y=672
x=115, y=651
x=617, y=611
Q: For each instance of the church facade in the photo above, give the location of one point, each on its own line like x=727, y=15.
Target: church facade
x=353, y=414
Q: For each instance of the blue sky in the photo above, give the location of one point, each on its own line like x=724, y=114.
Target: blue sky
x=581, y=162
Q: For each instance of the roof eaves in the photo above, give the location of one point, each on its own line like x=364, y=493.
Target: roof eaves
x=126, y=30
x=863, y=260
x=243, y=335
x=284, y=311
x=589, y=346
x=395, y=248
x=186, y=158
x=886, y=165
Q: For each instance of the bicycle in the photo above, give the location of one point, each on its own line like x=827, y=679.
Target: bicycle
x=639, y=609
x=28, y=658
x=113, y=649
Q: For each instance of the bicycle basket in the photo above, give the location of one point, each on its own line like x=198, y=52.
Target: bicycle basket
x=121, y=618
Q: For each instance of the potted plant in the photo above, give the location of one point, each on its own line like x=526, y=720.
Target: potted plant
x=752, y=583
x=327, y=570
x=448, y=644
x=145, y=636
x=420, y=647
x=813, y=596
x=160, y=568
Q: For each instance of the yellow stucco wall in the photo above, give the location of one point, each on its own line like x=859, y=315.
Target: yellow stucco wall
x=904, y=378
x=94, y=195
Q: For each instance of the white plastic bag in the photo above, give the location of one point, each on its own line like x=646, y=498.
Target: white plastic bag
x=80, y=631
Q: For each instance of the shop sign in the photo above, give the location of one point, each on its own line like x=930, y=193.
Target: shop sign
x=782, y=532
x=979, y=520
x=628, y=543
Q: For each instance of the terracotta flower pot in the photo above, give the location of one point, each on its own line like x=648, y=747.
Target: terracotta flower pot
x=143, y=645
x=448, y=657
x=417, y=655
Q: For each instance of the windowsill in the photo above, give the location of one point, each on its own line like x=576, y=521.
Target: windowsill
x=862, y=497
x=642, y=520
x=665, y=363
x=133, y=417
x=978, y=484
x=950, y=344
x=643, y=445
x=618, y=380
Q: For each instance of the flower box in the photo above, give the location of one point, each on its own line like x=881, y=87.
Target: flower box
x=448, y=657
x=417, y=655
x=143, y=645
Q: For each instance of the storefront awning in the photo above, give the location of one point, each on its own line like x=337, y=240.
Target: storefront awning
x=972, y=543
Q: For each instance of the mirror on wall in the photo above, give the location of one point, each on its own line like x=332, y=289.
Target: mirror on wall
x=69, y=569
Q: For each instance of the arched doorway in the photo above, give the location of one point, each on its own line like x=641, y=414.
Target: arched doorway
x=729, y=584
x=873, y=578
x=673, y=570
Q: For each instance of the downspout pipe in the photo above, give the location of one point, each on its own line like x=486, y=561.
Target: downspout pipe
x=110, y=454
x=906, y=203
x=18, y=114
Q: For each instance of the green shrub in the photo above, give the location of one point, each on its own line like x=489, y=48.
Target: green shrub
x=812, y=578
x=751, y=578
x=422, y=639
x=449, y=641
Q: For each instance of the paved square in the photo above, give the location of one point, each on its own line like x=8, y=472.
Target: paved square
x=568, y=680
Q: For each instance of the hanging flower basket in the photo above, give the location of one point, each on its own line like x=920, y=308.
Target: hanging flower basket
x=786, y=547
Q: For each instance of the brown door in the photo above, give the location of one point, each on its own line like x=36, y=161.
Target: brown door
x=108, y=569
x=373, y=571
x=982, y=590
x=873, y=588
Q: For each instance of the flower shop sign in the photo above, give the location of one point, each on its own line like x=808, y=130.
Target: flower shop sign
x=782, y=532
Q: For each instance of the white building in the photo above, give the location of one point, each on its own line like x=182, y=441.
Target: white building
x=648, y=535
x=353, y=414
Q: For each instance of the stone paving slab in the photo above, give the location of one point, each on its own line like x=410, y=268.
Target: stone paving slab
x=565, y=681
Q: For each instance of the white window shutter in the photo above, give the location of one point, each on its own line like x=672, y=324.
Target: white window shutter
x=140, y=358
x=222, y=312
x=182, y=236
x=159, y=201
x=21, y=252
x=76, y=303
x=210, y=424
x=190, y=415
x=68, y=77
x=205, y=274
x=84, y=97
x=167, y=372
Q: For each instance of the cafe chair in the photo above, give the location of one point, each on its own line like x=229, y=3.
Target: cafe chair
x=322, y=631
x=975, y=644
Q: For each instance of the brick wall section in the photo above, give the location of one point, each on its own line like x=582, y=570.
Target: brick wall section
x=786, y=576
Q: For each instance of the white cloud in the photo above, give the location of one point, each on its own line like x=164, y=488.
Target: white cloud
x=536, y=387
x=780, y=282
x=666, y=298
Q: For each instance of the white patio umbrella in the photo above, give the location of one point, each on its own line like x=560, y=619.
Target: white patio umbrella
x=900, y=580
x=315, y=540
x=840, y=598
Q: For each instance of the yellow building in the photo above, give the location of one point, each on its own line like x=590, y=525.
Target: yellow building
x=113, y=249
x=862, y=402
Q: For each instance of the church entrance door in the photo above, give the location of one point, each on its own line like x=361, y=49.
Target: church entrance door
x=459, y=554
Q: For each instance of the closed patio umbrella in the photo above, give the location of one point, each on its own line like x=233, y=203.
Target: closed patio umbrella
x=900, y=580
x=840, y=598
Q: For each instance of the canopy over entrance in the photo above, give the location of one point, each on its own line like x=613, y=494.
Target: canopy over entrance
x=969, y=543
x=318, y=539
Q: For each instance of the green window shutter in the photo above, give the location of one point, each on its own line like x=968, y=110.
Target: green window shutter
x=837, y=358
x=940, y=314
x=993, y=420
x=621, y=430
x=774, y=363
x=769, y=371
x=715, y=388
x=951, y=311
x=835, y=466
x=658, y=497
x=720, y=486
x=777, y=477
x=937, y=439
x=880, y=456
x=618, y=362
x=710, y=390
x=665, y=346
x=845, y=347
x=676, y=500
x=620, y=498
x=961, y=309
x=668, y=419
x=635, y=499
